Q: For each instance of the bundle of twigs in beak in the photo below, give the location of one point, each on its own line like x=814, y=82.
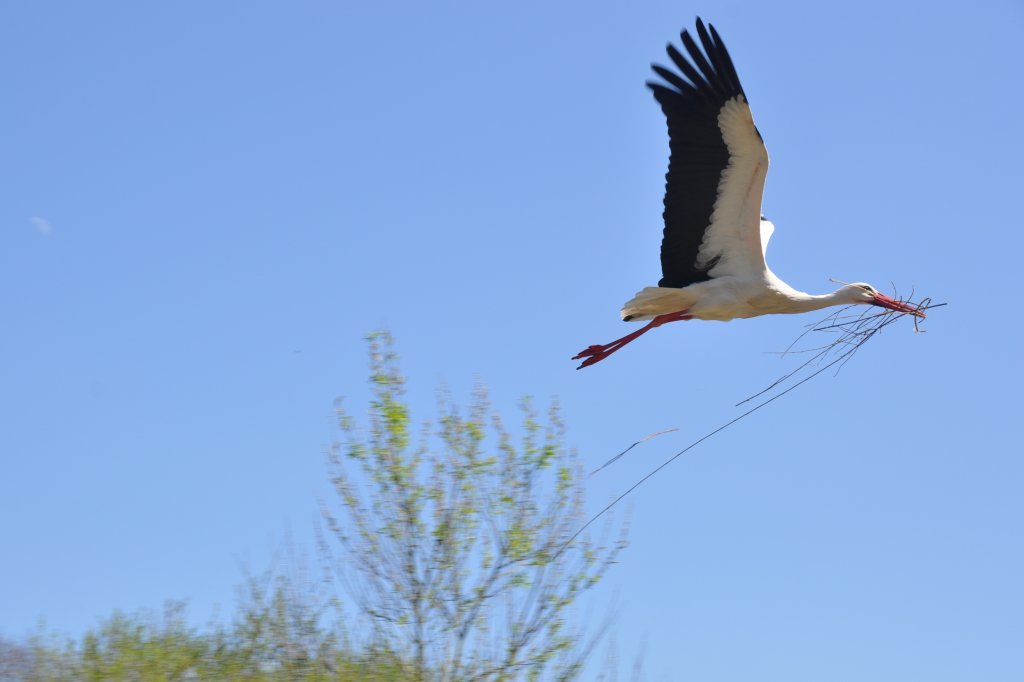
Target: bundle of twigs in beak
x=852, y=327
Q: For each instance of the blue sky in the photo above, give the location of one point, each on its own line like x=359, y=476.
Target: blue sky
x=207, y=206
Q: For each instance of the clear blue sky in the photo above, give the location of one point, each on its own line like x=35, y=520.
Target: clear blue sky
x=207, y=205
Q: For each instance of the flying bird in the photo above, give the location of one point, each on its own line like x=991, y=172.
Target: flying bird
x=712, y=252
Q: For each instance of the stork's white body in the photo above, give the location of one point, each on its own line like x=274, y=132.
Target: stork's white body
x=730, y=298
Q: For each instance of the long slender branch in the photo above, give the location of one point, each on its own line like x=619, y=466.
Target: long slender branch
x=854, y=334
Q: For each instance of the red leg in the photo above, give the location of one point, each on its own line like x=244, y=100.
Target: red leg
x=594, y=354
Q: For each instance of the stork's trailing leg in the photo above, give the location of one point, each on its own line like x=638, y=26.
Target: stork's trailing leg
x=594, y=354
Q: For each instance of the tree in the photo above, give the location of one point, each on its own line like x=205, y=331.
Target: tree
x=460, y=550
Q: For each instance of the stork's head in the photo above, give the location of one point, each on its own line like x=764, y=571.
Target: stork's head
x=859, y=292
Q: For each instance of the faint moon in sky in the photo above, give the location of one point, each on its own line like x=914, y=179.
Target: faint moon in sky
x=41, y=224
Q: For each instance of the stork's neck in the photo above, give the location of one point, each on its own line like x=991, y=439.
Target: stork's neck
x=803, y=302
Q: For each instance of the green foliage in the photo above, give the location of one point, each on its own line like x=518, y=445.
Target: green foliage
x=457, y=550
x=276, y=637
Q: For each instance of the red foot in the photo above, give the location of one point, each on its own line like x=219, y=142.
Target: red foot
x=597, y=353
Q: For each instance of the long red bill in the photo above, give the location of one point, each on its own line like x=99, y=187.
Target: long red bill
x=898, y=306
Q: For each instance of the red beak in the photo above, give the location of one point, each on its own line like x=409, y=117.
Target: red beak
x=898, y=306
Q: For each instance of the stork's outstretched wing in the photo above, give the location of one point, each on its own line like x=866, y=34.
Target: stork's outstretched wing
x=716, y=170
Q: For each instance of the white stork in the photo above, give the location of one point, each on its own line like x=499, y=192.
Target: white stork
x=712, y=252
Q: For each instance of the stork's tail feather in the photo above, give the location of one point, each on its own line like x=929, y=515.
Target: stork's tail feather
x=654, y=301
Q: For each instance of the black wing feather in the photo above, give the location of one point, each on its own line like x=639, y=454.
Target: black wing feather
x=700, y=85
x=727, y=67
x=705, y=68
x=677, y=82
x=698, y=151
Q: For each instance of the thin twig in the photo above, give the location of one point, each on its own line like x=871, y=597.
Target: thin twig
x=642, y=440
